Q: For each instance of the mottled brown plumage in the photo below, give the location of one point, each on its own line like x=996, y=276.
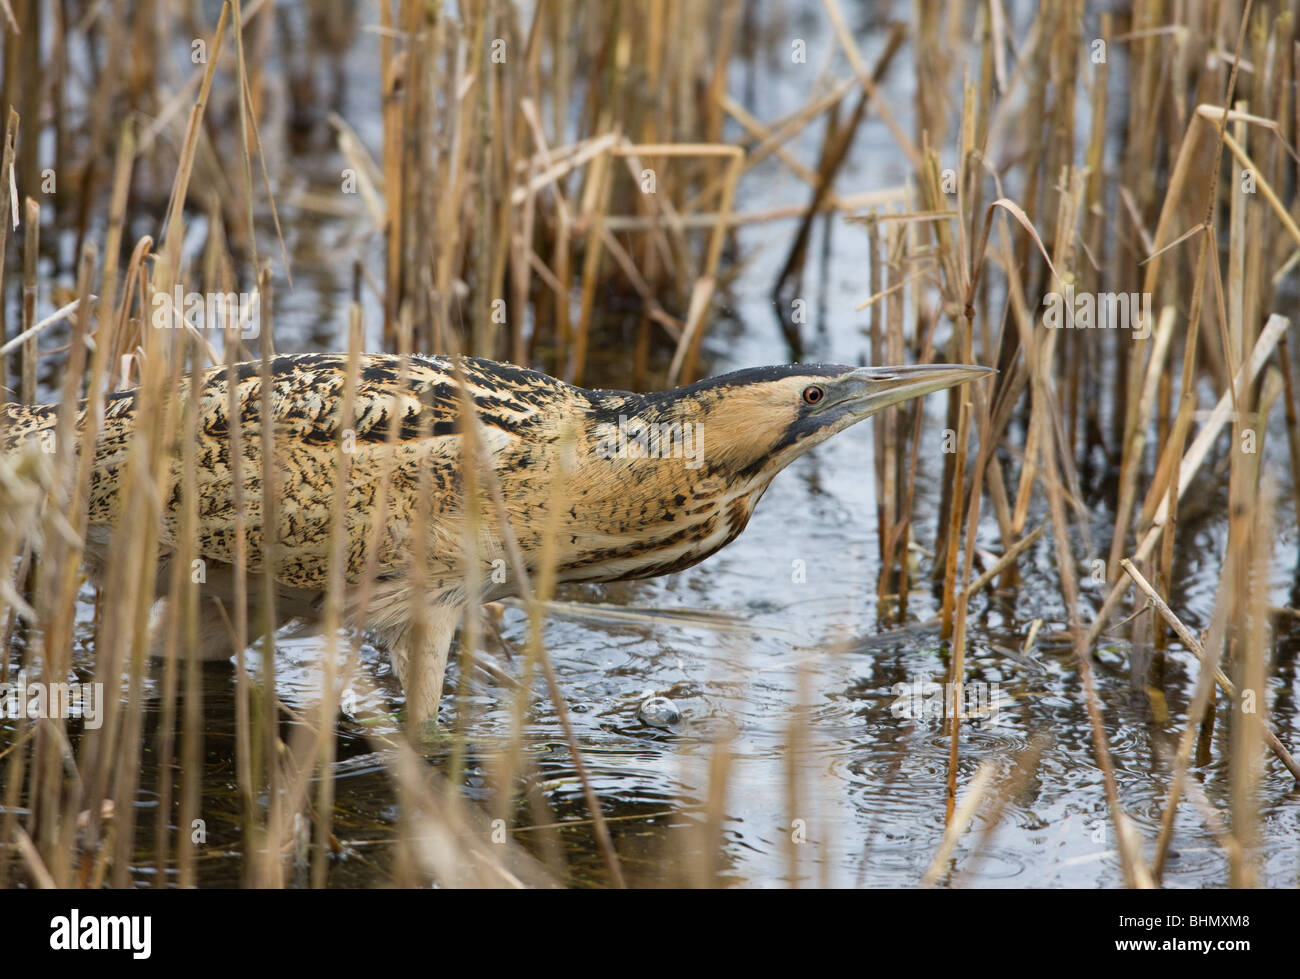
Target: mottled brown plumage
x=656, y=482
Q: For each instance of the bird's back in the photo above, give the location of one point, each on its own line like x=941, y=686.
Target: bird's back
x=406, y=416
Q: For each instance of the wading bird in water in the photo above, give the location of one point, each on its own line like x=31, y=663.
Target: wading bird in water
x=652, y=483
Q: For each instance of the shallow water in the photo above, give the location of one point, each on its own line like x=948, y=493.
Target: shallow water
x=869, y=796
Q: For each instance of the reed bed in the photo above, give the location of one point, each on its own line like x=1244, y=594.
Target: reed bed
x=560, y=184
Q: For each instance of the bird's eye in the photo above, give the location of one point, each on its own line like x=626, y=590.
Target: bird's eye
x=813, y=394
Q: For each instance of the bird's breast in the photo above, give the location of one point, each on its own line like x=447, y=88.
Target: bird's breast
x=639, y=534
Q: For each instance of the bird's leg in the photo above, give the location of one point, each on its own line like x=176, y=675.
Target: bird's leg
x=216, y=611
x=418, y=650
x=214, y=634
x=216, y=637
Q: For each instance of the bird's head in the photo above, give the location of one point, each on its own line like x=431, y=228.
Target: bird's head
x=752, y=423
x=669, y=478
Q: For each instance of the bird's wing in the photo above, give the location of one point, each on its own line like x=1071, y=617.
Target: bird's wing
x=18, y=422
x=404, y=420
x=402, y=452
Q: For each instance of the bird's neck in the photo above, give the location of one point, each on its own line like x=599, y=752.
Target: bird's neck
x=649, y=496
x=641, y=430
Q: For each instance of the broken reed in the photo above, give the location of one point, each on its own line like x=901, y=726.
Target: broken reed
x=509, y=144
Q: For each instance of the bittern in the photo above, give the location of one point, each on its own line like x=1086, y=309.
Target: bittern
x=651, y=483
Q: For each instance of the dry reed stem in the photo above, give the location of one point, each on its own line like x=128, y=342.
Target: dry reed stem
x=958, y=822
x=1192, y=460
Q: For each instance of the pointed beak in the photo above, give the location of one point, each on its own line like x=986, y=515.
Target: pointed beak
x=859, y=392
x=868, y=389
